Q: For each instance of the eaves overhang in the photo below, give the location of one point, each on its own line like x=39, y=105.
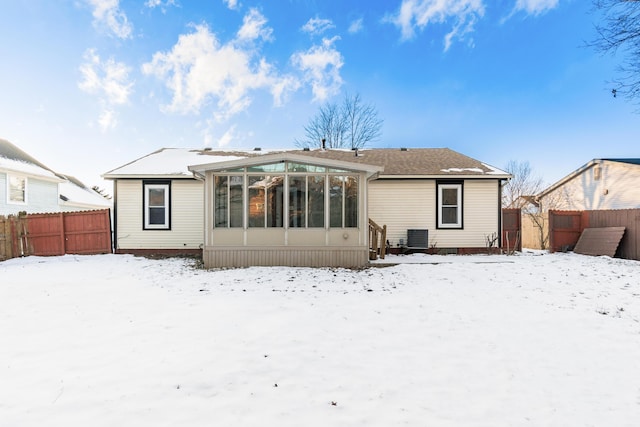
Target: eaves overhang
x=201, y=169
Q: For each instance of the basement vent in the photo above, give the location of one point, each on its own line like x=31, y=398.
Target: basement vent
x=418, y=238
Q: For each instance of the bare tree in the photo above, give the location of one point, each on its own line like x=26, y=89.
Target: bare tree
x=353, y=124
x=619, y=32
x=520, y=193
x=522, y=188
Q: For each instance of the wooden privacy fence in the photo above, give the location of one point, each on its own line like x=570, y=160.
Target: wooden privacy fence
x=85, y=232
x=565, y=228
x=511, y=230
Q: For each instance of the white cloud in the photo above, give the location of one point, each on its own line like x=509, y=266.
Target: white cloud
x=227, y=138
x=321, y=66
x=254, y=27
x=199, y=69
x=109, y=80
x=316, y=26
x=535, y=7
x=231, y=4
x=356, y=26
x=107, y=13
x=108, y=120
x=162, y=4
x=417, y=14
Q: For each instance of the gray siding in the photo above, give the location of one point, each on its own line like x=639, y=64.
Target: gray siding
x=215, y=257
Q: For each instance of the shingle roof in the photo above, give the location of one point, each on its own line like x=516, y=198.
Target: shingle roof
x=631, y=161
x=412, y=162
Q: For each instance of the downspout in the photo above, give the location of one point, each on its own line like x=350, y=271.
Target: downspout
x=114, y=243
x=501, y=183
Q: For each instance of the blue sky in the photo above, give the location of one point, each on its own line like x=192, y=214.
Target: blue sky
x=88, y=85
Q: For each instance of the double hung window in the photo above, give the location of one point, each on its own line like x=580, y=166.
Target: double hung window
x=157, y=202
x=449, y=205
x=16, y=189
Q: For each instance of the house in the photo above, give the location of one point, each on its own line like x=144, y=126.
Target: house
x=26, y=185
x=303, y=207
x=599, y=184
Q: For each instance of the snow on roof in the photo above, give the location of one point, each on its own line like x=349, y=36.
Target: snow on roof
x=73, y=193
x=170, y=161
x=26, y=168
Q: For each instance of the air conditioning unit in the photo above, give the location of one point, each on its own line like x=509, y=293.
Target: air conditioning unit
x=418, y=238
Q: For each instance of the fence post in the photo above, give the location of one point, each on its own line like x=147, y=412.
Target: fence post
x=63, y=245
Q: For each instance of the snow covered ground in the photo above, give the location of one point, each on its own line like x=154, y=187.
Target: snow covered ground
x=115, y=340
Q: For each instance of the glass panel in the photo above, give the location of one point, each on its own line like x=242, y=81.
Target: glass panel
x=297, y=201
x=335, y=201
x=235, y=201
x=316, y=201
x=257, y=188
x=238, y=170
x=300, y=167
x=449, y=215
x=220, y=191
x=331, y=170
x=156, y=216
x=450, y=197
x=272, y=167
x=351, y=201
x=156, y=197
x=17, y=189
x=275, y=201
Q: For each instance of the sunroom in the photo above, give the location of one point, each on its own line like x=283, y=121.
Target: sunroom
x=285, y=209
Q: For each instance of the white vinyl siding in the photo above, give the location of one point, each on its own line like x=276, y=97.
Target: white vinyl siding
x=187, y=225
x=403, y=205
x=618, y=187
x=42, y=196
x=411, y=204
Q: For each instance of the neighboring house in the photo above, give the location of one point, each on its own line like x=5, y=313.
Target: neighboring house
x=302, y=207
x=26, y=185
x=76, y=196
x=599, y=184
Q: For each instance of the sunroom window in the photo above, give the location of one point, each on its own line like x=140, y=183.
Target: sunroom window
x=259, y=200
x=449, y=205
x=16, y=189
x=156, y=206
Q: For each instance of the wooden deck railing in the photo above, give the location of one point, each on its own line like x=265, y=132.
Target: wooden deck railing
x=377, y=240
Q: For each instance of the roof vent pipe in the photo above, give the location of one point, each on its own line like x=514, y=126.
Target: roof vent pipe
x=403, y=149
x=324, y=144
x=257, y=149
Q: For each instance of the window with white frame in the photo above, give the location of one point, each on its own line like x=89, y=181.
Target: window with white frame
x=286, y=195
x=157, y=202
x=16, y=189
x=449, y=205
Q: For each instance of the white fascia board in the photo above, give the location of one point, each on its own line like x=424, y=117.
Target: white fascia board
x=49, y=178
x=146, y=176
x=568, y=178
x=442, y=176
x=281, y=157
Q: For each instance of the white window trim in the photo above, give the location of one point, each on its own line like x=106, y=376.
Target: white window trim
x=26, y=188
x=458, y=223
x=167, y=189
